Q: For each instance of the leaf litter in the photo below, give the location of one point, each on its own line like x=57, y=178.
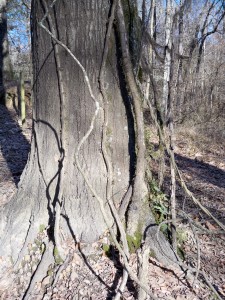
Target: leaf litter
x=98, y=276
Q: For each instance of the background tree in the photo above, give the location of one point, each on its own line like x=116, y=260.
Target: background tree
x=18, y=13
x=178, y=67
x=5, y=63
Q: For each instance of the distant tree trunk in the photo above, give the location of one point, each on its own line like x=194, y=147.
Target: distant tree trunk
x=166, y=82
x=5, y=63
x=179, y=93
x=167, y=60
x=151, y=30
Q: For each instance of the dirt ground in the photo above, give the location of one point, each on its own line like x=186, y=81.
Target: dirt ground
x=96, y=276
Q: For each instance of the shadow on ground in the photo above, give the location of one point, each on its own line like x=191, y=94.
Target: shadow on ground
x=14, y=146
x=205, y=181
x=203, y=171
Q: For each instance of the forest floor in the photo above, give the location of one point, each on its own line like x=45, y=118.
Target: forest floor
x=202, y=164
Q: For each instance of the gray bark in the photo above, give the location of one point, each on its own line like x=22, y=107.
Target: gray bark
x=40, y=188
x=81, y=26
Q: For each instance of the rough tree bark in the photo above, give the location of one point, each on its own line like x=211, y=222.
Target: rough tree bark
x=40, y=183
x=52, y=184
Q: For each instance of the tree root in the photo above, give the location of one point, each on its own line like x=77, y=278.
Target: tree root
x=42, y=268
x=197, y=270
x=122, y=285
x=143, y=259
x=60, y=269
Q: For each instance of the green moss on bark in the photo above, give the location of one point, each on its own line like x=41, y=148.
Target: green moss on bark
x=152, y=253
x=106, y=249
x=42, y=228
x=58, y=259
x=134, y=242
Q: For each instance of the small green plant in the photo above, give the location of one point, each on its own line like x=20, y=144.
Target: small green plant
x=182, y=237
x=38, y=242
x=41, y=228
x=159, y=202
x=161, y=211
x=50, y=271
x=180, y=252
x=134, y=242
x=152, y=253
x=159, y=205
x=58, y=259
x=106, y=249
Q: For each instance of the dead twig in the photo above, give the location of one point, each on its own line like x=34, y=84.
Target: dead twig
x=143, y=259
x=60, y=269
x=198, y=254
x=41, y=271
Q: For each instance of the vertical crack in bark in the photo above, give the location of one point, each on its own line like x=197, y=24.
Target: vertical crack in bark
x=26, y=241
x=63, y=137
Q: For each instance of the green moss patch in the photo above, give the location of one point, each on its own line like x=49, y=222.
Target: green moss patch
x=134, y=242
x=106, y=249
x=58, y=259
x=41, y=228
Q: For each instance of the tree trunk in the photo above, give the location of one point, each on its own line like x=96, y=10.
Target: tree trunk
x=60, y=186
x=150, y=56
x=167, y=59
x=166, y=83
x=179, y=96
x=5, y=63
x=40, y=185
